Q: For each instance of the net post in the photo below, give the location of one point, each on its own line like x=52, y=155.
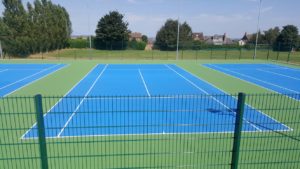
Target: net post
x=41, y=131
x=238, y=130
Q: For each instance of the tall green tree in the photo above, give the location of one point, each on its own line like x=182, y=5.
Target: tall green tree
x=15, y=18
x=166, y=37
x=287, y=39
x=44, y=26
x=112, y=32
x=271, y=35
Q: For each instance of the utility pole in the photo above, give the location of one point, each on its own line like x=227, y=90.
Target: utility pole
x=177, y=52
x=258, y=20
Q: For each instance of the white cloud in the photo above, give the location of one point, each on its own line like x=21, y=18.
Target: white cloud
x=222, y=18
x=131, y=1
x=266, y=9
x=130, y=17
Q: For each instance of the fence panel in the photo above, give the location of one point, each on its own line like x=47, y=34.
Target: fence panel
x=151, y=132
x=277, y=148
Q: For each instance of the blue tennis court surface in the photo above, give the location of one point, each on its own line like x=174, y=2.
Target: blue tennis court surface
x=166, y=102
x=281, y=79
x=16, y=76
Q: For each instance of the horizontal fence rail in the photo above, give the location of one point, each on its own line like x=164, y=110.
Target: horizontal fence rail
x=194, y=131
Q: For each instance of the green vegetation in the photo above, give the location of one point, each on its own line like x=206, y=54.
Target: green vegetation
x=135, y=45
x=78, y=43
x=112, y=32
x=286, y=39
x=217, y=53
x=166, y=37
x=43, y=27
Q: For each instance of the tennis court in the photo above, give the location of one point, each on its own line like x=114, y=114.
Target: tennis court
x=160, y=107
x=280, y=79
x=16, y=76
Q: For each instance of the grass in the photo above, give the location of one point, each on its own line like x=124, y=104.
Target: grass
x=222, y=54
x=258, y=150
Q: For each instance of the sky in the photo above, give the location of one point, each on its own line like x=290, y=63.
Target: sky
x=233, y=17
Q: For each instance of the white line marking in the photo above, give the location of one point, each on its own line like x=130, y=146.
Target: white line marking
x=146, y=97
x=114, y=135
x=59, y=100
x=246, y=104
x=255, y=79
x=86, y=94
x=144, y=83
x=212, y=97
x=291, y=77
x=135, y=69
x=285, y=67
x=35, y=80
x=4, y=70
x=43, y=70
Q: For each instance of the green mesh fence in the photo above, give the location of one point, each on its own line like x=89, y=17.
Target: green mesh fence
x=156, y=132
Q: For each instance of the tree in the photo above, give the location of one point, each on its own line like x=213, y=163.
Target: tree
x=260, y=40
x=15, y=19
x=287, y=39
x=271, y=35
x=145, y=38
x=166, y=37
x=43, y=27
x=112, y=32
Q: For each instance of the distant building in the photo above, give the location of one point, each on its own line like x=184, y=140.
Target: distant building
x=80, y=36
x=245, y=39
x=135, y=35
x=198, y=36
x=218, y=40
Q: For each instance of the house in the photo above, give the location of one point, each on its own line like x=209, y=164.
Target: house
x=218, y=40
x=198, y=36
x=245, y=39
x=85, y=37
x=135, y=35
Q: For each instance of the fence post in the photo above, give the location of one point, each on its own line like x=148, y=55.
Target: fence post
x=278, y=51
x=288, y=58
x=41, y=131
x=268, y=54
x=225, y=53
x=238, y=130
x=211, y=51
x=240, y=56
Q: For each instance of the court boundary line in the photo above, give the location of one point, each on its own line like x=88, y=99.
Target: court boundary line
x=82, y=100
x=285, y=65
x=290, y=129
x=296, y=92
x=113, y=135
x=49, y=111
x=145, y=85
x=152, y=134
x=291, y=77
x=251, y=124
x=3, y=70
x=252, y=83
x=64, y=66
x=27, y=77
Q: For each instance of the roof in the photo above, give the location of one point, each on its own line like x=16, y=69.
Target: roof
x=136, y=35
